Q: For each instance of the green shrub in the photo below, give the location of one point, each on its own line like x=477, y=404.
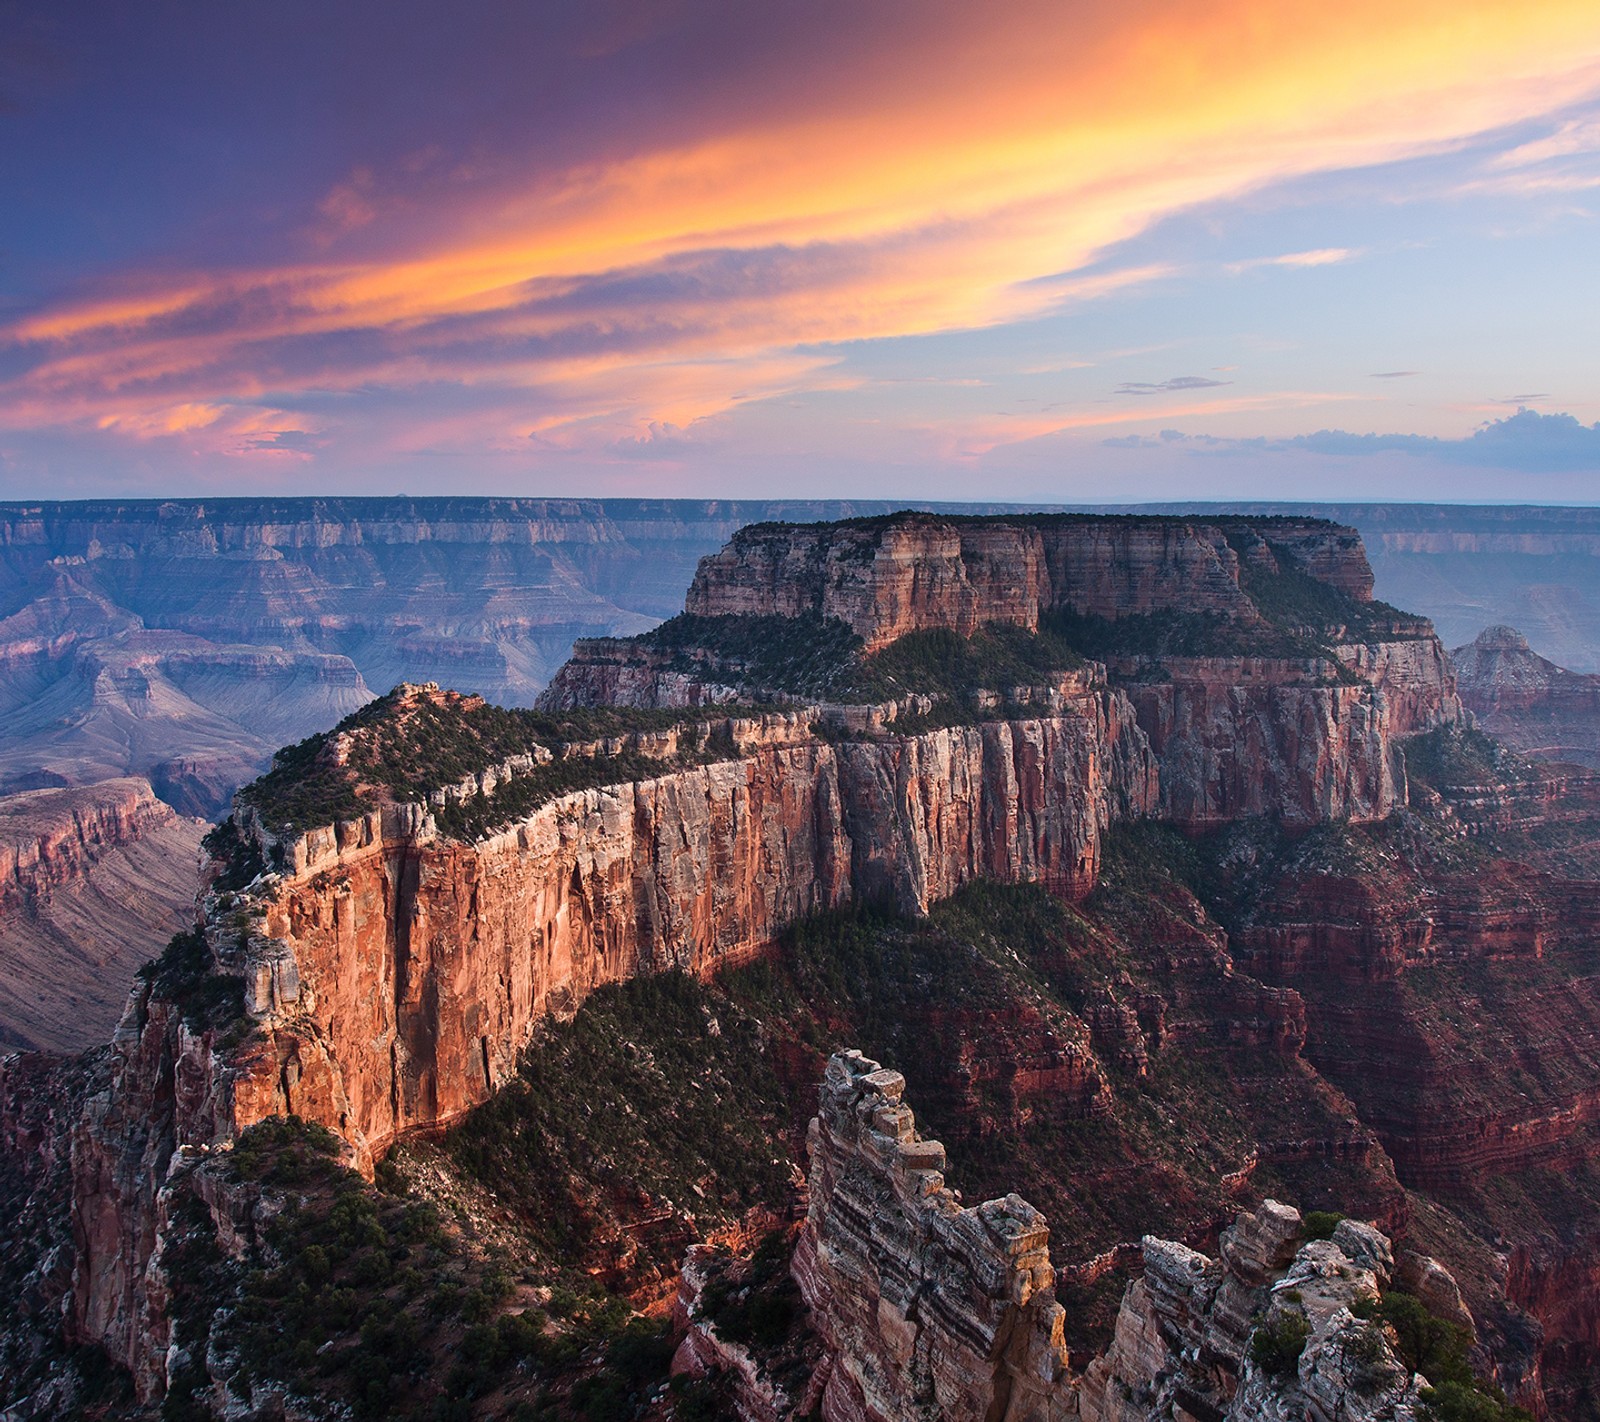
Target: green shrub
x=1439, y=1350
x=1278, y=1342
x=1461, y=1402
x=184, y=975
x=1320, y=1224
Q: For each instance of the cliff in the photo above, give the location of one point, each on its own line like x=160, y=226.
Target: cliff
x=391, y=980
x=93, y=882
x=1527, y=701
x=884, y=578
x=1266, y=678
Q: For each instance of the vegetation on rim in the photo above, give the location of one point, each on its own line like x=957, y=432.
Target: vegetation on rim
x=401, y=747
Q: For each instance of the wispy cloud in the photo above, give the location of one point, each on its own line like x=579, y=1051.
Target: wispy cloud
x=1171, y=386
x=1573, y=137
x=1319, y=257
x=853, y=181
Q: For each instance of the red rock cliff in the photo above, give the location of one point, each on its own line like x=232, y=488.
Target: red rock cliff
x=394, y=977
x=888, y=577
x=93, y=882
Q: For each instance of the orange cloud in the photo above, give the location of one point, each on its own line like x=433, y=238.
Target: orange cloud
x=944, y=179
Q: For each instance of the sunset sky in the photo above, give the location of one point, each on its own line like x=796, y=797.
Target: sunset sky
x=1091, y=250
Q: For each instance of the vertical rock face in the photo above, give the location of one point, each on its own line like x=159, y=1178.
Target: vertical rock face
x=392, y=975
x=402, y=973
x=1246, y=736
x=395, y=978
x=927, y=1309
x=885, y=578
x=1302, y=738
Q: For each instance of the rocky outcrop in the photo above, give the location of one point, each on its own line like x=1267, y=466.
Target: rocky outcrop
x=887, y=577
x=93, y=882
x=926, y=1308
x=1527, y=701
x=391, y=982
x=1237, y=737
x=929, y=1309
x=1186, y=1334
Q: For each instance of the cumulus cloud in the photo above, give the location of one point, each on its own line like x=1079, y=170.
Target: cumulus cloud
x=1526, y=442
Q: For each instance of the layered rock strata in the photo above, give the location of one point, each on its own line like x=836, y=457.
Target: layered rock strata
x=391, y=974
x=927, y=1309
x=884, y=578
x=1237, y=737
x=1300, y=738
x=93, y=882
x=1527, y=701
x=391, y=982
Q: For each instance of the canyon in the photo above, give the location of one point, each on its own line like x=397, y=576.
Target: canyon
x=1191, y=1020
x=93, y=883
x=183, y=641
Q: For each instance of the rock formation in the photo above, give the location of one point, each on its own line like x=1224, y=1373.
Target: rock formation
x=379, y=974
x=930, y=1309
x=93, y=882
x=926, y=1309
x=1301, y=737
x=887, y=577
x=1527, y=701
x=1187, y=1336
x=393, y=977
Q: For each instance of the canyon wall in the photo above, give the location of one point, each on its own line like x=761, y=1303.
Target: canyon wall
x=1302, y=738
x=1253, y=736
x=391, y=983
x=93, y=882
x=884, y=578
x=1527, y=701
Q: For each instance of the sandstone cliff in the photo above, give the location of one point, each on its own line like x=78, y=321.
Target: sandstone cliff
x=1295, y=710
x=93, y=882
x=392, y=979
x=887, y=577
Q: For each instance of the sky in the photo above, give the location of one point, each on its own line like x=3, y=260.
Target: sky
x=1079, y=251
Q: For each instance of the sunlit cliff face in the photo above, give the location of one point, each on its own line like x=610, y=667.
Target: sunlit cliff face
x=592, y=233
